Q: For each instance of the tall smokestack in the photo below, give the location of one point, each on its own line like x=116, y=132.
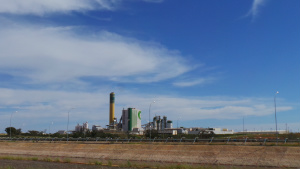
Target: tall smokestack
x=111, y=108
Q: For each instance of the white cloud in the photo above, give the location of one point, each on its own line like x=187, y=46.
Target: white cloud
x=41, y=7
x=256, y=5
x=189, y=83
x=57, y=54
x=38, y=108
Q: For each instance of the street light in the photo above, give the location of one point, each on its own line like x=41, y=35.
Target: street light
x=68, y=124
x=49, y=128
x=276, y=117
x=10, y=124
x=149, y=118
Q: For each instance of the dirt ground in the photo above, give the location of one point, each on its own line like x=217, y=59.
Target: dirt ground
x=47, y=165
x=21, y=164
x=227, y=155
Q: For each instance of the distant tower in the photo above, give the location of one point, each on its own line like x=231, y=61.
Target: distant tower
x=111, y=108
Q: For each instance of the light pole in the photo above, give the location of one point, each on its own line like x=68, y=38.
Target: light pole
x=276, y=117
x=10, y=124
x=149, y=118
x=68, y=124
x=49, y=128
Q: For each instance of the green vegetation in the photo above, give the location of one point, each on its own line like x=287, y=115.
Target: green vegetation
x=47, y=159
x=109, y=163
x=7, y=158
x=13, y=131
x=17, y=133
x=57, y=160
x=129, y=163
x=95, y=162
x=67, y=160
x=7, y=167
x=34, y=158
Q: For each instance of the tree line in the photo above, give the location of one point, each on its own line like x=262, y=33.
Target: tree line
x=102, y=134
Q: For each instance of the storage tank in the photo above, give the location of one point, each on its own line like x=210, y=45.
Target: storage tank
x=85, y=126
x=169, y=124
x=164, y=123
x=158, y=125
x=154, y=123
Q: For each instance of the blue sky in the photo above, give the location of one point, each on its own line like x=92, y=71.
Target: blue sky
x=206, y=63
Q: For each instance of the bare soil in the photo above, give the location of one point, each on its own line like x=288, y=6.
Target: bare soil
x=47, y=165
x=225, y=155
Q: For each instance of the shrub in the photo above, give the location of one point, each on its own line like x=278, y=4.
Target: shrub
x=97, y=163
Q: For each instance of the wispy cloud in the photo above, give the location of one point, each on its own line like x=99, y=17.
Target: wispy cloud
x=41, y=7
x=193, y=82
x=57, y=54
x=255, y=8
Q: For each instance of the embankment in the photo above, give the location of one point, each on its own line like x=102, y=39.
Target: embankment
x=281, y=156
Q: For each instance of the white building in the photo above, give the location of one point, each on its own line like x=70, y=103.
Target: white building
x=131, y=118
x=78, y=128
x=62, y=132
x=97, y=128
x=83, y=128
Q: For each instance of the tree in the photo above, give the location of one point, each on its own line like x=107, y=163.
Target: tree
x=12, y=129
x=19, y=131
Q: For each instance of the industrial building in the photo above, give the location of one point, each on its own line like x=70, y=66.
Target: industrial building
x=131, y=118
x=161, y=123
x=82, y=128
x=96, y=128
x=129, y=121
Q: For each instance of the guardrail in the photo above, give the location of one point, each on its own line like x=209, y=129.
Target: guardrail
x=262, y=141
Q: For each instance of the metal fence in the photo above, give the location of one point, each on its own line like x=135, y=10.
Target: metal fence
x=166, y=140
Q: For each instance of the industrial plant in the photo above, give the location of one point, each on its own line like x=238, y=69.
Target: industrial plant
x=131, y=122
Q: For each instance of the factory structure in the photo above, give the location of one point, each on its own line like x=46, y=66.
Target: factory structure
x=82, y=128
x=131, y=119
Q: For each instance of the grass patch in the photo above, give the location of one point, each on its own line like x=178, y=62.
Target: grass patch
x=19, y=158
x=95, y=162
x=98, y=163
x=47, y=159
x=57, y=160
x=67, y=160
x=129, y=164
x=7, y=158
x=7, y=167
x=109, y=163
x=34, y=158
